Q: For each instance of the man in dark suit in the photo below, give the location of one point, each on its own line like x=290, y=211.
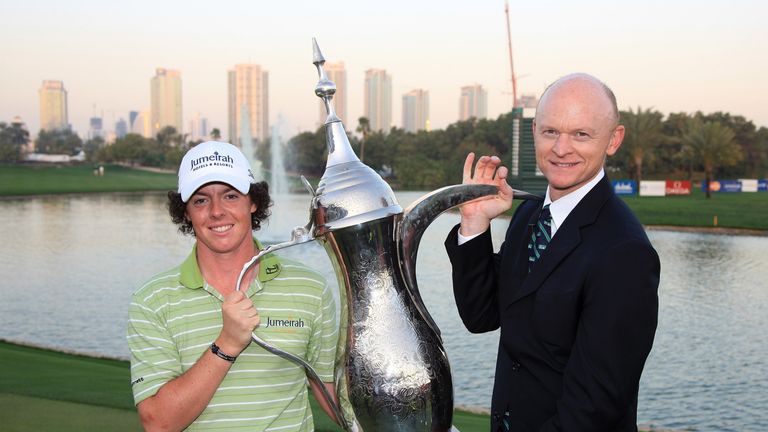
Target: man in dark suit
x=574, y=286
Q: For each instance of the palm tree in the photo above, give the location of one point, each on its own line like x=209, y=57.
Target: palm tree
x=713, y=146
x=13, y=138
x=644, y=134
x=364, y=129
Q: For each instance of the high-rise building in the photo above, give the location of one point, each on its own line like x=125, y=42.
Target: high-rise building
x=378, y=99
x=121, y=128
x=166, y=100
x=96, y=129
x=249, y=93
x=338, y=75
x=53, y=106
x=473, y=102
x=132, y=118
x=198, y=128
x=416, y=110
x=142, y=124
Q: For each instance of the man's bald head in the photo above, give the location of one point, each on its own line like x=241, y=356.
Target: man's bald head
x=583, y=81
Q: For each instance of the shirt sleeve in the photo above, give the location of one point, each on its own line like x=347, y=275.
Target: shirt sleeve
x=154, y=357
x=464, y=239
x=325, y=335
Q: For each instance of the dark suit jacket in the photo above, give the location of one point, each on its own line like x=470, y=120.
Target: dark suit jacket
x=576, y=331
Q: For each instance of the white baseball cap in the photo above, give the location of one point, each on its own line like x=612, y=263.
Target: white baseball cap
x=214, y=161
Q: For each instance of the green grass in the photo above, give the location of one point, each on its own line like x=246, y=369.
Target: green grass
x=42, y=180
x=747, y=210
x=26, y=413
x=47, y=390
x=733, y=210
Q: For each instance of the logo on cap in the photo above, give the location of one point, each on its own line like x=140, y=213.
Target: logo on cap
x=214, y=159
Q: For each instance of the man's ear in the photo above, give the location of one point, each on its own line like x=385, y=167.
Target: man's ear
x=616, y=138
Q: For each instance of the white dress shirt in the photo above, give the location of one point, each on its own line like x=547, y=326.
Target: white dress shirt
x=560, y=209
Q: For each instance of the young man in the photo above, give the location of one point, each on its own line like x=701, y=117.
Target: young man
x=189, y=329
x=574, y=286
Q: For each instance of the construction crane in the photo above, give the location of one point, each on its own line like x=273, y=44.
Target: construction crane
x=511, y=62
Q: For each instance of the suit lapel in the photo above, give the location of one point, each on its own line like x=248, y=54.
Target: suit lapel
x=567, y=238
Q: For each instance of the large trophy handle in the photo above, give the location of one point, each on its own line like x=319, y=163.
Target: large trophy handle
x=416, y=219
x=300, y=235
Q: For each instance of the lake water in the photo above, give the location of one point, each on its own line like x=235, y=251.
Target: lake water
x=70, y=263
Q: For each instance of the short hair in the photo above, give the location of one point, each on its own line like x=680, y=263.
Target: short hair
x=258, y=192
x=607, y=90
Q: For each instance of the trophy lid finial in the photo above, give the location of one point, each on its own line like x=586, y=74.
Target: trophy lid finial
x=349, y=192
x=317, y=56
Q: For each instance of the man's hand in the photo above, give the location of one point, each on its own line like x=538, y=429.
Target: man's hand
x=476, y=215
x=240, y=318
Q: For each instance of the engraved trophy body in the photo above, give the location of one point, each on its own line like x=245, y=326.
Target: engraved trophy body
x=392, y=372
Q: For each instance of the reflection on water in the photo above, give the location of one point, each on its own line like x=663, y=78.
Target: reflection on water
x=70, y=264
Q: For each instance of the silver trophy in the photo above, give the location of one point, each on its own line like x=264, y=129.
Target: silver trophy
x=392, y=372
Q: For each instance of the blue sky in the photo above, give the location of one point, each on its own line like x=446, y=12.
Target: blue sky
x=672, y=56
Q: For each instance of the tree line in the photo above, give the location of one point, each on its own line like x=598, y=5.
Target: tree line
x=679, y=146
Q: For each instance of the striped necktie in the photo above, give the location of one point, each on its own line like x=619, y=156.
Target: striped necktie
x=540, y=237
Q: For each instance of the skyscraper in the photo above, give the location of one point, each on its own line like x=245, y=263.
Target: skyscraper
x=141, y=124
x=249, y=90
x=53, y=106
x=166, y=100
x=378, y=99
x=198, y=128
x=97, y=128
x=416, y=110
x=131, y=119
x=338, y=75
x=473, y=102
x=121, y=128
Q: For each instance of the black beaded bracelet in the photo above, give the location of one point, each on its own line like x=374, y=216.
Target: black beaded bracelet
x=216, y=350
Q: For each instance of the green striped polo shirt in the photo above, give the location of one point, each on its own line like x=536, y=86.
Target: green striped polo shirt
x=174, y=318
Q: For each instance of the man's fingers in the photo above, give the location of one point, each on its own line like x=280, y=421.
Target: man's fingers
x=501, y=173
x=468, y=168
x=234, y=297
x=486, y=167
x=481, y=167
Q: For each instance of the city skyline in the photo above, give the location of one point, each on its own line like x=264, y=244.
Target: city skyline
x=657, y=56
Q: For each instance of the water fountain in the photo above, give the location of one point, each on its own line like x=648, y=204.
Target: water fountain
x=246, y=143
x=278, y=184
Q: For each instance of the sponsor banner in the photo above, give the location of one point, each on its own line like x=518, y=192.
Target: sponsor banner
x=762, y=185
x=748, y=185
x=722, y=186
x=624, y=187
x=677, y=187
x=652, y=187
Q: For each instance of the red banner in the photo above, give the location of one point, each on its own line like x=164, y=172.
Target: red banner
x=678, y=187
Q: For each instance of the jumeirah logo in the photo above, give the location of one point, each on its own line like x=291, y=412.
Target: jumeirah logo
x=276, y=322
x=214, y=159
